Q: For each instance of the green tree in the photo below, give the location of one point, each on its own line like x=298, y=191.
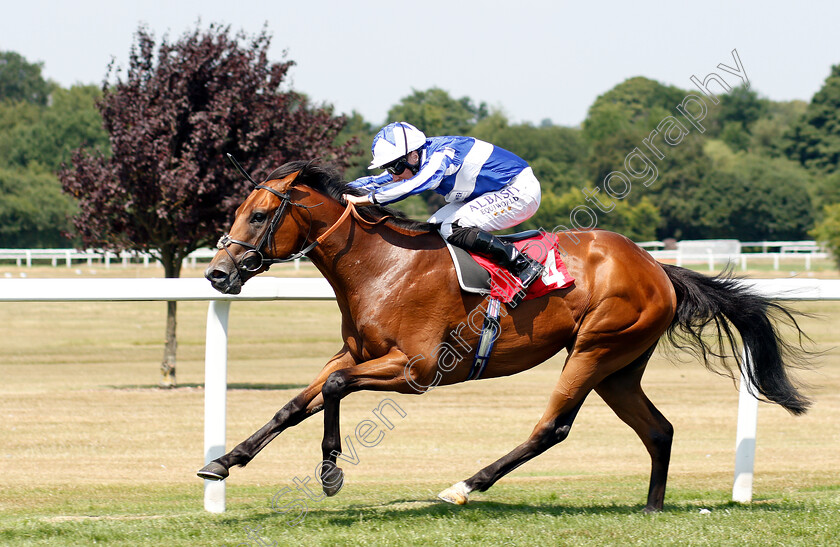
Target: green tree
x=436, y=113
x=734, y=118
x=620, y=119
x=557, y=177
x=752, y=198
x=637, y=221
x=826, y=190
x=36, y=137
x=71, y=121
x=735, y=135
x=767, y=134
x=21, y=80
x=741, y=105
x=15, y=117
x=827, y=230
x=34, y=213
x=815, y=140
x=630, y=103
x=360, y=133
x=552, y=142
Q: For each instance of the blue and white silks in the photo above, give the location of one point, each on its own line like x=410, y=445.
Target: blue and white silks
x=459, y=168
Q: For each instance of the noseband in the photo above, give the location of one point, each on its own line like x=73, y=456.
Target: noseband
x=253, y=258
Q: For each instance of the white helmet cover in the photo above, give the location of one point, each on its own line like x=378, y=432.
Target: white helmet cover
x=394, y=141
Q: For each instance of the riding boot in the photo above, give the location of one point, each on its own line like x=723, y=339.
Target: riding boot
x=523, y=267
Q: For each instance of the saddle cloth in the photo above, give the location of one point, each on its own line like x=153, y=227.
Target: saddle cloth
x=479, y=275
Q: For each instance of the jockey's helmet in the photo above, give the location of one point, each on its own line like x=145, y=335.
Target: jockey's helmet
x=394, y=141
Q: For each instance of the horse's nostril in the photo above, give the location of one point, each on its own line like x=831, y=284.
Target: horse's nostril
x=215, y=274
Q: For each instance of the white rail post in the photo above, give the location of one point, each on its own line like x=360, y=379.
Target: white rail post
x=215, y=402
x=745, y=439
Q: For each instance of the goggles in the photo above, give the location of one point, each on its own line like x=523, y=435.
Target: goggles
x=397, y=166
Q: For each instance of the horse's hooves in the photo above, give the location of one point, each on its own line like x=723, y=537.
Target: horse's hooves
x=457, y=494
x=213, y=471
x=332, y=481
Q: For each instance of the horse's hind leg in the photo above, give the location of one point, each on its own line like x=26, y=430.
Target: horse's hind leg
x=579, y=377
x=305, y=404
x=622, y=391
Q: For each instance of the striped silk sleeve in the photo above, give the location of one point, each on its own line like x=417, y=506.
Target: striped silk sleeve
x=428, y=178
x=371, y=182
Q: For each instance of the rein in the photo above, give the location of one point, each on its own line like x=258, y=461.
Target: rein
x=350, y=209
x=253, y=258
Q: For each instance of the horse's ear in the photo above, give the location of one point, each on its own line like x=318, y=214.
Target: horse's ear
x=284, y=182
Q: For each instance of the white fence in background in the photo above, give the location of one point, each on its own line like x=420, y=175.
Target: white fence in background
x=272, y=288
x=716, y=261
x=724, y=252
x=716, y=253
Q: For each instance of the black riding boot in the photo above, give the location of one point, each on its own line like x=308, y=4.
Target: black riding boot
x=523, y=267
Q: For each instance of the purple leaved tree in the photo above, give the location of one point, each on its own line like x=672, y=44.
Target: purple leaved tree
x=179, y=109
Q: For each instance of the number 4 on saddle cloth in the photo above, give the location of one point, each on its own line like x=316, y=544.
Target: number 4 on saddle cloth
x=477, y=274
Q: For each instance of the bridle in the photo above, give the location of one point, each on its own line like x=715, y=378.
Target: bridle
x=253, y=258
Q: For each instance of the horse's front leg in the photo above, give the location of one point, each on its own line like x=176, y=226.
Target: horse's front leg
x=305, y=404
x=386, y=373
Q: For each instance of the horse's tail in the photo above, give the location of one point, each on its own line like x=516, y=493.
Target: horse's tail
x=725, y=303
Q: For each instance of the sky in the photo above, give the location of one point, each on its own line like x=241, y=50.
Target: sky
x=530, y=59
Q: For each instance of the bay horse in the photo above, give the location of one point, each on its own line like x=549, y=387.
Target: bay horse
x=399, y=298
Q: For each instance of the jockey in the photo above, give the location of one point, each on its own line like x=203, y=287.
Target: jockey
x=488, y=188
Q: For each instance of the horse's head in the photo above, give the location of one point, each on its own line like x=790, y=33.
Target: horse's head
x=270, y=226
x=274, y=223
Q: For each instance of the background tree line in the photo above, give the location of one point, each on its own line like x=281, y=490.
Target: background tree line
x=763, y=170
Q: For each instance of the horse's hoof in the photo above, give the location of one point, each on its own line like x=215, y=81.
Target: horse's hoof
x=458, y=494
x=332, y=481
x=213, y=471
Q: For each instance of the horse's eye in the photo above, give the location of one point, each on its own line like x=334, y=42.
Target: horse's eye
x=258, y=217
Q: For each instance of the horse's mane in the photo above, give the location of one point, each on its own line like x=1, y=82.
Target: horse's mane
x=327, y=180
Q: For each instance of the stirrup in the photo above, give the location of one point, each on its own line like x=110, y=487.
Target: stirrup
x=526, y=277
x=530, y=273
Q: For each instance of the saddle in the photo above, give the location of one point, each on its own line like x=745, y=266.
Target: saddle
x=477, y=274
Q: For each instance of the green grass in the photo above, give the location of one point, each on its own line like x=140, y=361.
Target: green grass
x=545, y=513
